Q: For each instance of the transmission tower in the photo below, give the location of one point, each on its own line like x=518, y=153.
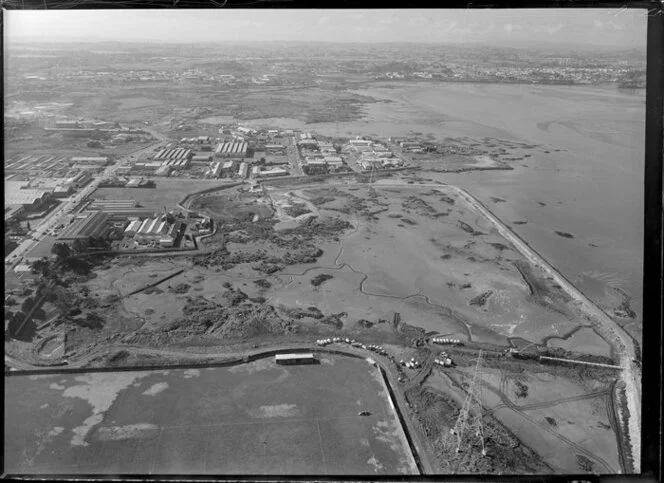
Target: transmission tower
x=469, y=423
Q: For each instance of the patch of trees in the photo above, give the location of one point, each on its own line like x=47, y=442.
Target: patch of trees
x=66, y=259
x=307, y=255
x=319, y=227
x=267, y=268
x=321, y=200
x=319, y=279
x=119, y=357
x=521, y=389
x=91, y=320
x=262, y=283
x=14, y=323
x=297, y=209
x=481, y=299
x=10, y=246
x=181, y=288
x=234, y=297
x=334, y=320
x=584, y=463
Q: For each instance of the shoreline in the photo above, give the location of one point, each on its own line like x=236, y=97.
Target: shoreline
x=616, y=335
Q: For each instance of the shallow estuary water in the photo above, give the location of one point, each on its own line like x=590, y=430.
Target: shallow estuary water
x=592, y=187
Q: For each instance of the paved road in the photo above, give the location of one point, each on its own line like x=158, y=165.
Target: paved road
x=294, y=158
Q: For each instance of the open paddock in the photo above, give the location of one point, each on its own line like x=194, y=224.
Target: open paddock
x=256, y=418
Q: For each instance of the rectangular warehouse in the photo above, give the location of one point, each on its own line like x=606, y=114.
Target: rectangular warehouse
x=94, y=224
x=286, y=359
x=102, y=160
x=172, y=154
x=234, y=149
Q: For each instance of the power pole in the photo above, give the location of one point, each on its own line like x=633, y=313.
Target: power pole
x=469, y=423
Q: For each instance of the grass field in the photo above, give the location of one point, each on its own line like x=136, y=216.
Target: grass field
x=257, y=418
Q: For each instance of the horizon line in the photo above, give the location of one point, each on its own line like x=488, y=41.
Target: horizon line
x=474, y=43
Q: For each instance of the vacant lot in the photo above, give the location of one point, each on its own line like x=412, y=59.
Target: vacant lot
x=169, y=192
x=257, y=418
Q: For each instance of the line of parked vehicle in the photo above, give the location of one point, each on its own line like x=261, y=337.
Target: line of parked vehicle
x=340, y=340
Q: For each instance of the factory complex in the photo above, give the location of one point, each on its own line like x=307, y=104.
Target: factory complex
x=233, y=149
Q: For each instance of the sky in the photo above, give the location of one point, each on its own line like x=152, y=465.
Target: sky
x=601, y=27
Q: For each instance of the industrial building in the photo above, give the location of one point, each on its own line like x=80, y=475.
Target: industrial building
x=173, y=154
x=367, y=164
x=119, y=210
x=360, y=142
x=95, y=160
x=63, y=191
x=235, y=149
x=274, y=148
x=111, y=205
x=215, y=170
x=271, y=173
x=163, y=170
x=308, y=143
x=13, y=212
x=17, y=194
x=202, y=158
x=66, y=124
x=132, y=228
x=244, y=168
x=334, y=162
x=268, y=173
x=147, y=165
x=227, y=168
x=315, y=166
x=153, y=230
x=246, y=130
x=81, y=179
x=326, y=147
x=286, y=359
x=92, y=224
